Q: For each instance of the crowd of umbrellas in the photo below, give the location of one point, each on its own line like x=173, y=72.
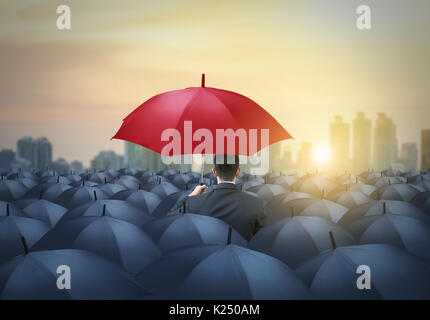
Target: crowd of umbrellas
x=118, y=234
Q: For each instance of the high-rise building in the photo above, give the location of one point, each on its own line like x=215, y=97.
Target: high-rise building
x=287, y=159
x=152, y=160
x=425, y=150
x=275, y=157
x=384, y=143
x=38, y=152
x=42, y=154
x=25, y=149
x=339, y=144
x=77, y=167
x=409, y=156
x=361, y=143
x=60, y=165
x=107, y=160
x=6, y=158
x=133, y=155
x=304, y=157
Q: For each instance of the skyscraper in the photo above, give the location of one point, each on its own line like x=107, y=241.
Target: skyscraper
x=287, y=159
x=107, y=160
x=304, y=157
x=38, y=152
x=425, y=150
x=361, y=143
x=77, y=167
x=133, y=155
x=339, y=144
x=152, y=160
x=6, y=158
x=60, y=165
x=385, y=143
x=25, y=149
x=42, y=154
x=409, y=156
x=274, y=157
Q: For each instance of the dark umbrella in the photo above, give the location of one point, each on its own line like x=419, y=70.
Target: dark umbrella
x=168, y=173
x=144, y=200
x=226, y=272
x=10, y=209
x=33, y=276
x=111, y=188
x=129, y=182
x=386, y=181
x=401, y=192
x=12, y=228
x=278, y=207
x=77, y=196
x=180, y=230
x=11, y=190
x=285, y=181
x=55, y=179
x=47, y=173
x=182, y=180
x=294, y=240
x=249, y=184
x=27, y=182
x=111, y=173
x=128, y=171
x=318, y=208
x=366, y=189
x=84, y=183
x=424, y=184
x=44, y=210
x=350, y=199
x=113, y=208
x=381, y=207
x=119, y=241
x=163, y=189
x=395, y=274
x=314, y=185
x=408, y=233
x=267, y=191
x=169, y=203
x=74, y=177
x=98, y=177
x=47, y=191
x=422, y=200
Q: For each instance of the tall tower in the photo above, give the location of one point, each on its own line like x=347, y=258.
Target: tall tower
x=409, y=156
x=361, y=142
x=304, y=157
x=425, y=150
x=42, y=154
x=385, y=143
x=133, y=155
x=339, y=144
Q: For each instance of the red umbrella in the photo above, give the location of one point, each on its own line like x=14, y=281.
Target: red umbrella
x=195, y=108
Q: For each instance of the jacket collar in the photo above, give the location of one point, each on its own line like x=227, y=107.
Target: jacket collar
x=226, y=185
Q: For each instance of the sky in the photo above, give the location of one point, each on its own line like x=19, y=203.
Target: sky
x=303, y=61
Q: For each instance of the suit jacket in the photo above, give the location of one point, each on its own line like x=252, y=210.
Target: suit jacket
x=225, y=201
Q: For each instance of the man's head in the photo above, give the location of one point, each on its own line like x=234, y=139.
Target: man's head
x=226, y=167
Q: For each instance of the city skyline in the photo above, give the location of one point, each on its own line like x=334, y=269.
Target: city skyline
x=304, y=62
x=355, y=146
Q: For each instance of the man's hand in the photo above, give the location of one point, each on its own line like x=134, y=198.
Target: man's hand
x=198, y=190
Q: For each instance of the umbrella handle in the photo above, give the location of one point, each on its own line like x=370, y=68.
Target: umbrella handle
x=202, y=168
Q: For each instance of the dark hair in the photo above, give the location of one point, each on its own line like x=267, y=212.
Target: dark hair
x=226, y=166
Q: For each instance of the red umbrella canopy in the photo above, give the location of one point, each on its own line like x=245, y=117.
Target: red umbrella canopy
x=201, y=120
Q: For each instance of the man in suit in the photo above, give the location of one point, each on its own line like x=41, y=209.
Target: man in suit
x=225, y=200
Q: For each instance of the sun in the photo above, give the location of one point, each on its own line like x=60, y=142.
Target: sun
x=321, y=154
